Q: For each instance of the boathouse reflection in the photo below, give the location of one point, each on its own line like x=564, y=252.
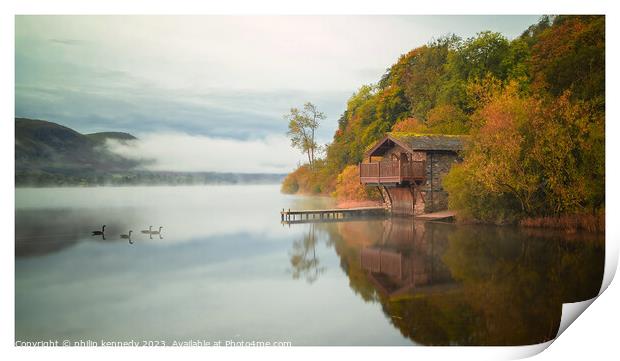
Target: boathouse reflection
x=405, y=261
x=448, y=284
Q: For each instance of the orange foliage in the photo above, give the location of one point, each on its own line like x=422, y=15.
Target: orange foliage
x=296, y=181
x=571, y=55
x=531, y=157
x=349, y=188
x=409, y=125
x=554, y=44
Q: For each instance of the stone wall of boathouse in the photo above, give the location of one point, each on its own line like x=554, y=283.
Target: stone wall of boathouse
x=438, y=164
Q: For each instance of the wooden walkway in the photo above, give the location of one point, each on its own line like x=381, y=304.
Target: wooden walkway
x=334, y=214
x=339, y=214
x=437, y=216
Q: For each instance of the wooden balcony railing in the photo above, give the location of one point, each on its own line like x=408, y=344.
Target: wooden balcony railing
x=392, y=172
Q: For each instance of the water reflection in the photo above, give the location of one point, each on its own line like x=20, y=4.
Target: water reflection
x=43, y=231
x=403, y=263
x=304, y=261
x=443, y=284
x=228, y=267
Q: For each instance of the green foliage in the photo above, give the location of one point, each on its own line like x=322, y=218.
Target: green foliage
x=486, y=53
x=570, y=55
x=534, y=107
x=447, y=119
x=473, y=202
x=421, y=73
x=533, y=156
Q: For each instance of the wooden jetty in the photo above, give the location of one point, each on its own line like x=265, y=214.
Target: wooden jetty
x=339, y=214
x=436, y=216
x=333, y=214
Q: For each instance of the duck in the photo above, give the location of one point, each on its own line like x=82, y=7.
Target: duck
x=157, y=232
x=99, y=233
x=127, y=236
x=147, y=231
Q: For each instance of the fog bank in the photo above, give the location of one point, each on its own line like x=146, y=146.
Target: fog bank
x=191, y=153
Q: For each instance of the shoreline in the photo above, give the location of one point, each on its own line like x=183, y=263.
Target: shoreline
x=570, y=223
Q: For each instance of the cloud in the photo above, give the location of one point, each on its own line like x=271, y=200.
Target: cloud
x=194, y=153
x=144, y=108
x=214, y=76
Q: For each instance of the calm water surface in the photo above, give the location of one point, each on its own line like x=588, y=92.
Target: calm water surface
x=224, y=268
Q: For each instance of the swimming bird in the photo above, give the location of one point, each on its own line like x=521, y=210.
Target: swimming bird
x=99, y=233
x=157, y=232
x=127, y=236
x=147, y=231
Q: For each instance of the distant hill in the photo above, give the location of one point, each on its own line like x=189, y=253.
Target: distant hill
x=49, y=154
x=46, y=147
x=103, y=136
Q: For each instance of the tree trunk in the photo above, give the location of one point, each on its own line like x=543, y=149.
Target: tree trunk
x=312, y=143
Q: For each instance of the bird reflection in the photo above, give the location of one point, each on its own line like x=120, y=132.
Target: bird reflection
x=127, y=237
x=156, y=232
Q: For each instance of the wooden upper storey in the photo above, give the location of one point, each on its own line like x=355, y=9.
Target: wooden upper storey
x=403, y=157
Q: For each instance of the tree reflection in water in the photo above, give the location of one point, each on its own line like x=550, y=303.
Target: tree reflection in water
x=304, y=261
x=446, y=284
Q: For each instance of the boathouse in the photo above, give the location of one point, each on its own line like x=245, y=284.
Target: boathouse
x=409, y=169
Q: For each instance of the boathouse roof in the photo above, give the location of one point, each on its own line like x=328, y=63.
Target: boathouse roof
x=418, y=142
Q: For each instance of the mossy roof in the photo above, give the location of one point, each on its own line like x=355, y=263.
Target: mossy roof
x=417, y=142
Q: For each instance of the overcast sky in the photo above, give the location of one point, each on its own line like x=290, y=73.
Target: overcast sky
x=215, y=82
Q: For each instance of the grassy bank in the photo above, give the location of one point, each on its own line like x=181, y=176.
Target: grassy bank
x=571, y=222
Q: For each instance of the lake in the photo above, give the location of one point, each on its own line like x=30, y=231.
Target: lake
x=225, y=269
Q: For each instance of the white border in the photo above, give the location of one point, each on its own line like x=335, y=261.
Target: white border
x=597, y=328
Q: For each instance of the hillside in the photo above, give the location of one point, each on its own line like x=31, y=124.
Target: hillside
x=534, y=108
x=46, y=147
x=103, y=136
x=49, y=154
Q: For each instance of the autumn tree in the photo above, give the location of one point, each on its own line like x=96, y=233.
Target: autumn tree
x=534, y=108
x=570, y=55
x=349, y=187
x=447, y=119
x=407, y=125
x=531, y=156
x=302, y=126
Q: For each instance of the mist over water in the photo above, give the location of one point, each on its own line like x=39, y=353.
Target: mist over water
x=178, y=152
x=225, y=268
